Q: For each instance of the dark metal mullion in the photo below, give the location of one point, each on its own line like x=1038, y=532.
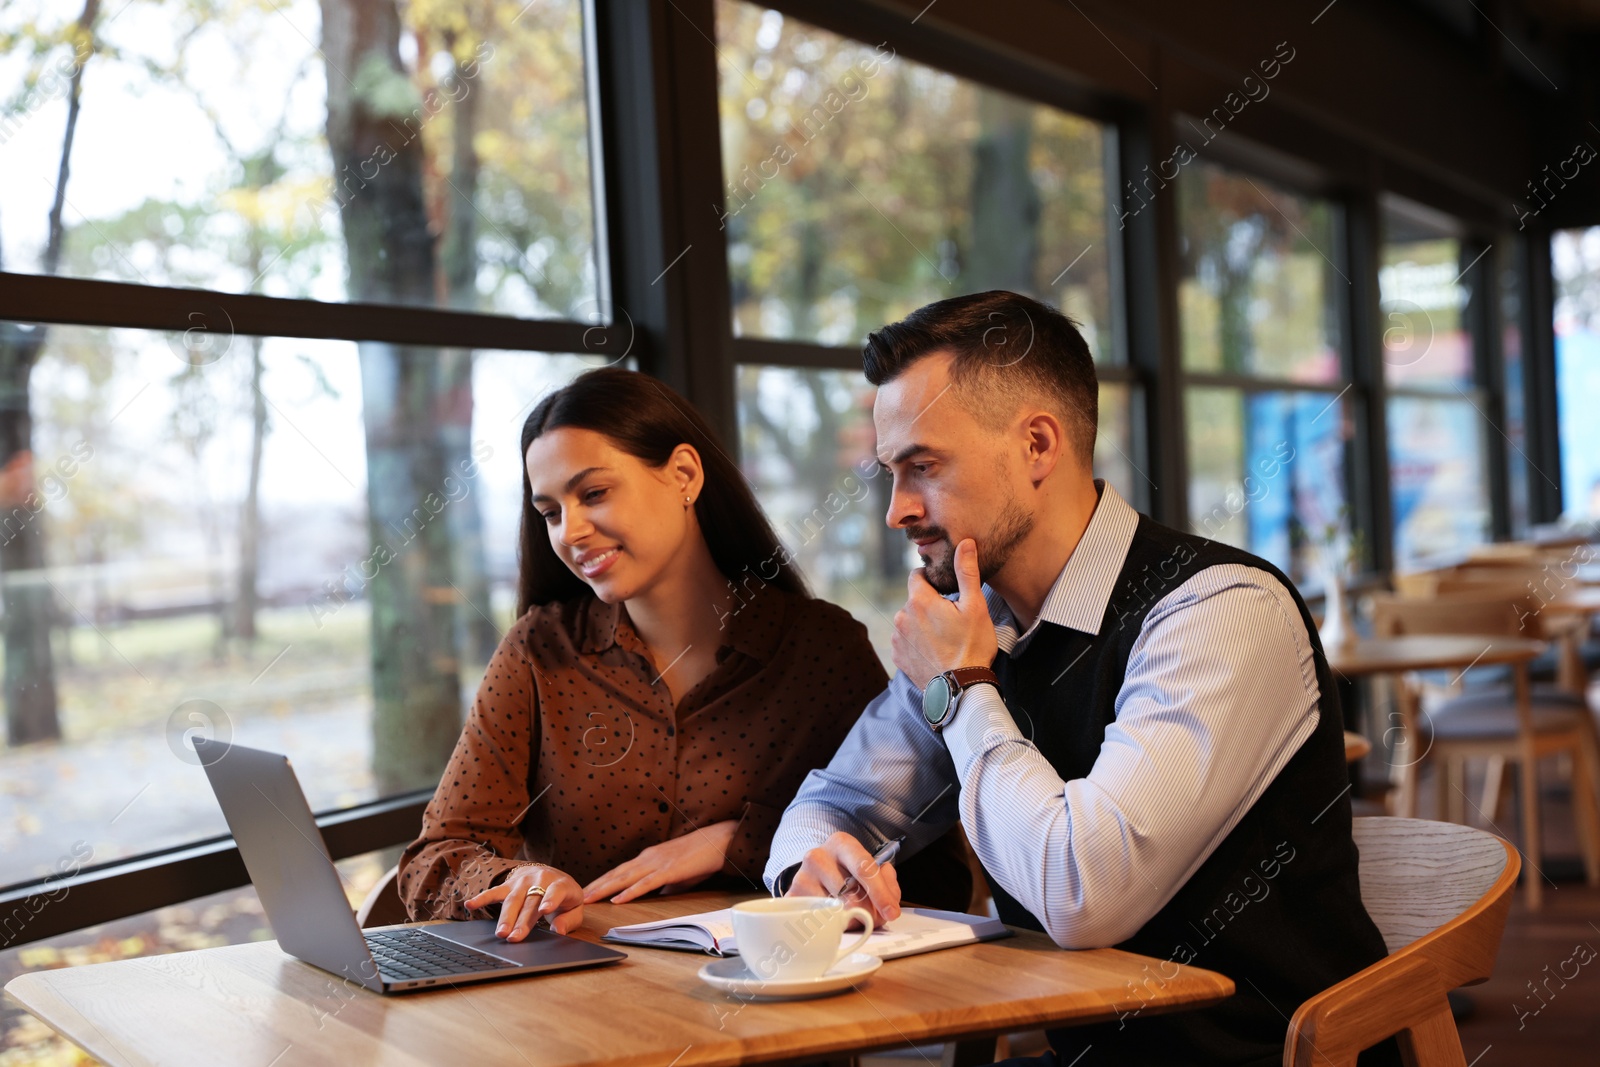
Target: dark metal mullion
x=1539, y=362
x=1149, y=233
x=781, y=353
x=695, y=264
x=1252, y=384
x=628, y=45
x=90, y=302
x=1486, y=328
x=1370, y=498
x=139, y=884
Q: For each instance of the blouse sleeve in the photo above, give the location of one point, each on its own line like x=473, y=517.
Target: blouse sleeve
x=471, y=829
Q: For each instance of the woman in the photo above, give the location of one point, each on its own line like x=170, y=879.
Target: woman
x=665, y=689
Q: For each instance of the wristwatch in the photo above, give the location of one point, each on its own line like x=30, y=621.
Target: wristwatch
x=945, y=690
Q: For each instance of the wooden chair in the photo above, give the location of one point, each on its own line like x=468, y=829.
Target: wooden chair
x=1439, y=894
x=1534, y=586
x=1495, y=724
x=382, y=906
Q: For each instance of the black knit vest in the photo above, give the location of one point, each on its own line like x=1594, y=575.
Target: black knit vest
x=1276, y=907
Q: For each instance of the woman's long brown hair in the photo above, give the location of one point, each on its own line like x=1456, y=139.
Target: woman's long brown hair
x=645, y=418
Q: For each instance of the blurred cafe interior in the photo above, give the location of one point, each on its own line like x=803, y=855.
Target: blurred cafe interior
x=269, y=268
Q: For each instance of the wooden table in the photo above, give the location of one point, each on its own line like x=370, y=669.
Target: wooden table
x=1425, y=652
x=1584, y=601
x=1429, y=652
x=254, y=1006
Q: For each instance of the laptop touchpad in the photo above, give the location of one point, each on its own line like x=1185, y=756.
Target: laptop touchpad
x=539, y=948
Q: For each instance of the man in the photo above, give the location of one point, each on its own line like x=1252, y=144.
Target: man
x=1135, y=726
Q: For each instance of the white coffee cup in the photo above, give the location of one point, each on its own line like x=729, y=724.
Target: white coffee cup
x=785, y=938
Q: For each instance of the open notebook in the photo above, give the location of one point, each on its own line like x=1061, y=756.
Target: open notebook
x=915, y=930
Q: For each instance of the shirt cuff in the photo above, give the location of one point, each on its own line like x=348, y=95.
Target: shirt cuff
x=785, y=879
x=981, y=724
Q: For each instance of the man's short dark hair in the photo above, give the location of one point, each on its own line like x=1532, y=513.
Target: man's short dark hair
x=1008, y=349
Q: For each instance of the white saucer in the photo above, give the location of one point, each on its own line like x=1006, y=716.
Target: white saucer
x=731, y=976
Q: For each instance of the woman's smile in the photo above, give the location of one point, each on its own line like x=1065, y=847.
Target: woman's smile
x=596, y=562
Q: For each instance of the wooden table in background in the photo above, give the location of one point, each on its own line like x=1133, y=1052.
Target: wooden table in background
x=253, y=1006
x=1430, y=652
x=1427, y=652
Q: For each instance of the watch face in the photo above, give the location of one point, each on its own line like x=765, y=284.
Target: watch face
x=936, y=700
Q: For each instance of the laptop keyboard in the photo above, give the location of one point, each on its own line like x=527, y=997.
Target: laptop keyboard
x=402, y=955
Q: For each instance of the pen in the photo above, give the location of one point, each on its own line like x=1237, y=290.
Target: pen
x=885, y=854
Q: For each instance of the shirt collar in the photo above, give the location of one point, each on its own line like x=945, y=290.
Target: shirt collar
x=1081, y=592
x=753, y=627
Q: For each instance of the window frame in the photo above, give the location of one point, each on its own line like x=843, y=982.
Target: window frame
x=651, y=81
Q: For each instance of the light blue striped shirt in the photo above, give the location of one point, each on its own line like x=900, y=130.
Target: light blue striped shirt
x=1220, y=692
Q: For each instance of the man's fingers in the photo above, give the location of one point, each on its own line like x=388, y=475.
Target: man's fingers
x=806, y=884
x=820, y=875
x=968, y=582
x=883, y=888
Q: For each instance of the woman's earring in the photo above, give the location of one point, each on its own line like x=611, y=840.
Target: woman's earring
x=688, y=501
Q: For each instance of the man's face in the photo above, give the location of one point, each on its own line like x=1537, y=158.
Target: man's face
x=953, y=477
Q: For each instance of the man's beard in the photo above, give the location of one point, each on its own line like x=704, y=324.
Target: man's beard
x=994, y=549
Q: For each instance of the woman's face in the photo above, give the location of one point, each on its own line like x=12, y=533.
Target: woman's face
x=616, y=522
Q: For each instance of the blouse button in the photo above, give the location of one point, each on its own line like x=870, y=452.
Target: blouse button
x=662, y=807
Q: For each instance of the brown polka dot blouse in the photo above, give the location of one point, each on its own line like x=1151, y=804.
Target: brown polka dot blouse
x=571, y=756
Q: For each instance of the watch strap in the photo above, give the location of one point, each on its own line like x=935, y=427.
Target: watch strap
x=963, y=678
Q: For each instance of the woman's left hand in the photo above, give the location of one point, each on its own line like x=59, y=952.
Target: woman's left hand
x=670, y=866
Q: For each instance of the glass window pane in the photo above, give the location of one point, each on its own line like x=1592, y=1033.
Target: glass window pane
x=1266, y=473
x=861, y=186
x=1575, y=261
x=1437, y=477
x=180, y=557
x=1117, y=457
x=1423, y=293
x=1258, y=290
x=252, y=148
x=808, y=447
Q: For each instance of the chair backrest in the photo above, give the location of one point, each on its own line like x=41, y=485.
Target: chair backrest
x=1487, y=610
x=383, y=906
x=1439, y=893
x=1418, y=875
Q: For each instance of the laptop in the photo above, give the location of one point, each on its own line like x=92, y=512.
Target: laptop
x=293, y=874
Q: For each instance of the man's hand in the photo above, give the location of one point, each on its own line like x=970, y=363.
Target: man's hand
x=561, y=902
x=824, y=871
x=670, y=866
x=933, y=635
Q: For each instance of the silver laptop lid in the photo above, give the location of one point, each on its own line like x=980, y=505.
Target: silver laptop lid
x=287, y=859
